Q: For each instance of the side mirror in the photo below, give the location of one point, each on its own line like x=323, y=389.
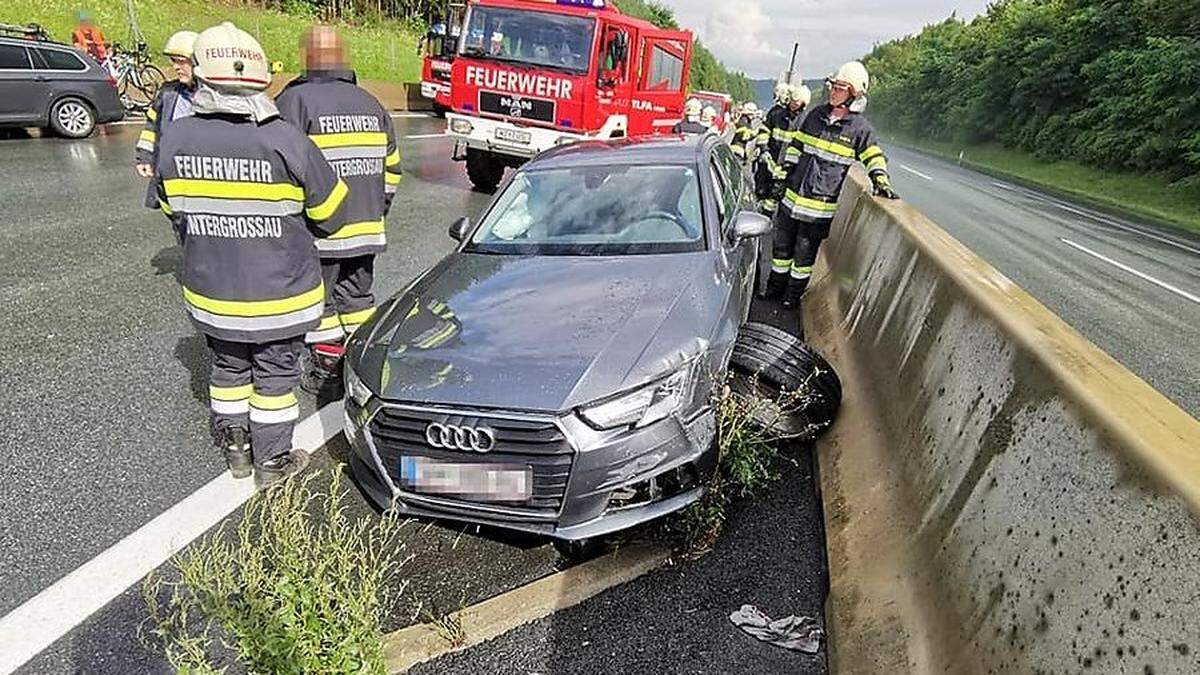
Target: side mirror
x=459, y=228
x=749, y=224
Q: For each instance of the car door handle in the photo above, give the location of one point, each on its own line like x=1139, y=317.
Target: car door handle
x=40, y=78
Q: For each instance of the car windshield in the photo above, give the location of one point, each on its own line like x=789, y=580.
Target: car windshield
x=530, y=37
x=595, y=210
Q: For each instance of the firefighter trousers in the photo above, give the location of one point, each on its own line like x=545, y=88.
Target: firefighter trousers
x=796, y=244
x=349, y=299
x=252, y=386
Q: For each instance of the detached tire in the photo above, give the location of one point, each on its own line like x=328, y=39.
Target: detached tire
x=72, y=118
x=484, y=170
x=768, y=364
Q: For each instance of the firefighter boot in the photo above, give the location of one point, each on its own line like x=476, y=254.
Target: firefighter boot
x=777, y=283
x=278, y=469
x=795, y=289
x=235, y=443
x=323, y=376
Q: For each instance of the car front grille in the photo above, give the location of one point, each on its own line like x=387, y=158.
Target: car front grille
x=536, y=442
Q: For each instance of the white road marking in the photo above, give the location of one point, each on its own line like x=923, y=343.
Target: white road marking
x=126, y=122
x=915, y=172
x=415, y=137
x=411, y=115
x=36, y=624
x=1127, y=268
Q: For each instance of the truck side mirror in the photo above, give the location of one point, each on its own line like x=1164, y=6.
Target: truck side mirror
x=459, y=228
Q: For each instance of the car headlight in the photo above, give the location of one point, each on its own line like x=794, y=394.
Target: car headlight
x=461, y=126
x=356, y=389
x=643, y=406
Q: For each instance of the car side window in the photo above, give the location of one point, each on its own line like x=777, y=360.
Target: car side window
x=719, y=193
x=733, y=170
x=56, y=59
x=13, y=57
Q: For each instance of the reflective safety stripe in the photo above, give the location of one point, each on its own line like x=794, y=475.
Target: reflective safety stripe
x=239, y=393
x=356, y=318
x=827, y=146
x=236, y=207
x=143, y=145
x=781, y=135
x=359, y=241
x=390, y=189
x=230, y=407
x=438, y=337
x=394, y=158
x=828, y=156
x=877, y=164
x=355, y=229
x=329, y=321
x=813, y=208
x=801, y=272
x=327, y=335
x=151, y=115
x=325, y=209
x=781, y=264
x=166, y=208
x=870, y=153
x=194, y=187
x=390, y=178
x=348, y=139
x=738, y=150
x=148, y=136
x=354, y=152
x=257, y=323
x=257, y=308
x=279, y=402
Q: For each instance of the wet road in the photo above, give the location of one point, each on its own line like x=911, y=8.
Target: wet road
x=1131, y=288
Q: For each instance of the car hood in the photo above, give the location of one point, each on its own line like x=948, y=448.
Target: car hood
x=537, y=333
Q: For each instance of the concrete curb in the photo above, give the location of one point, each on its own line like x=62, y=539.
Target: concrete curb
x=493, y=617
x=1001, y=495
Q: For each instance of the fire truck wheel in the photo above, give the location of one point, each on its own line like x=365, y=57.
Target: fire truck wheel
x=793, y=389
x=484, y=169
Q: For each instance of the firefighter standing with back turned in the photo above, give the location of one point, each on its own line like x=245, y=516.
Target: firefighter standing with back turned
x=173, y=101
x=771, y=141
x=354, y=132
x=251, y=191
x=831, y=138
x=690, y=124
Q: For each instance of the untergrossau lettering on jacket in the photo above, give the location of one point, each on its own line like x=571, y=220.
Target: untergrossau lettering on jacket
x=519, y=82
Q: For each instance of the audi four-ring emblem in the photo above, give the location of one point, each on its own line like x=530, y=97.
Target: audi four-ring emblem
x=454, y=437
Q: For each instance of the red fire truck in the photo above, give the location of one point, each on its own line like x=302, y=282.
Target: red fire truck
x=440, y=45
x=532, y=74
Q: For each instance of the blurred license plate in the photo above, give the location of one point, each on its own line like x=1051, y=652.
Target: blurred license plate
x=477, y=482
x=514, y=136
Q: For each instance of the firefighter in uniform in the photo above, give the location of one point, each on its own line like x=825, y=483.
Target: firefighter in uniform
x=709, y=118
x=690, y=124
x=744, y=134
x=173, y=101
x=251, y=191
x=354, y=132
x=831, y=138
x=772, y=139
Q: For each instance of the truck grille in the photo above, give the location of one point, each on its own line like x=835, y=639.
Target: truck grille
x=538, y=443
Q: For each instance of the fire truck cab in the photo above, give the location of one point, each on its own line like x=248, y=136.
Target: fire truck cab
x=533, y=74
x=440, y=46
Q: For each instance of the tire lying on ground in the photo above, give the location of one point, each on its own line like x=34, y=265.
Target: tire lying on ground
x=797, y=392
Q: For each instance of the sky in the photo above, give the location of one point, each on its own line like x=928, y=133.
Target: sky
x=756, y=36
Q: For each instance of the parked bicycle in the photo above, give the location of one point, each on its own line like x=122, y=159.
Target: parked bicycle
x=138, y=80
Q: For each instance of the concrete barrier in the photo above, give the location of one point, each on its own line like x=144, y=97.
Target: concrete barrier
x=1000, y=495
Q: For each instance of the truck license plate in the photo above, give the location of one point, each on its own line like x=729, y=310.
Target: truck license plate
x=514, y=136
x=461, y=480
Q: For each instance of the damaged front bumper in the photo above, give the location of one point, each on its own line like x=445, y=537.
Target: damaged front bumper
x=586, y=483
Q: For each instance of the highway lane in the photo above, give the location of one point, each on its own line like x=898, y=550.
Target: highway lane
x=1131, y=288
x=104, y=379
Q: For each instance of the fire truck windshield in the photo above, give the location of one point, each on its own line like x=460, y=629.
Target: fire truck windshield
x=530, y=37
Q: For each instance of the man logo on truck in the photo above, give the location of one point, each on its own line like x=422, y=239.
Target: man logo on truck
x=523, y=83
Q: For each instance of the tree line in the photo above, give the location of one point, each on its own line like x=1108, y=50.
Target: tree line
x=1112, y=83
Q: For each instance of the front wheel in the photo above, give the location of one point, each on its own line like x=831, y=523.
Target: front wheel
x=72, y=118
x=484, y=169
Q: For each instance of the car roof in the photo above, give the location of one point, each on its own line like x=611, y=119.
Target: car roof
x=675, y=149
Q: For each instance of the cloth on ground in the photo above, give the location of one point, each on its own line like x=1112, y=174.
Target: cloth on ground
x=800, y=633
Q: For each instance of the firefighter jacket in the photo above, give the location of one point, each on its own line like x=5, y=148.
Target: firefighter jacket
x=249, y=198
x=773, y=137
x=743, y=138
x=689, y=127
x=354, y=132
x=173, y=101
x=821, y=151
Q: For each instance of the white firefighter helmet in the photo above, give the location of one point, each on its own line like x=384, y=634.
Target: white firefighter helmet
x=750, y=108
x=855, y=75
x=692, y=108
x=783, y=93
x=180, y=44
x=801, y=94
x=709, y=115
x=229, y=57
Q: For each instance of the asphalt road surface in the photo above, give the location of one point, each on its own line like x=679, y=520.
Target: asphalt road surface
x=1131, y=288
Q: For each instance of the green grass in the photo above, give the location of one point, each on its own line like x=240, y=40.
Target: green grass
x=383, y=50
x=1145, y=196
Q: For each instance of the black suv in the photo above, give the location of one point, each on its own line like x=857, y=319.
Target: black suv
x=48, y=84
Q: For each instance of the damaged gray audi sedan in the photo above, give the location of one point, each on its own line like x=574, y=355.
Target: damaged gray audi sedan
x=554, y=373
